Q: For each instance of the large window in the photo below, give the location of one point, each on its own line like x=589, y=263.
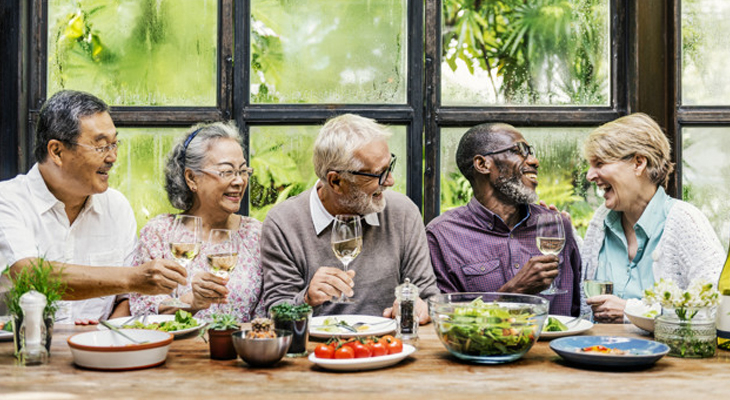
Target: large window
x=430, y=70
x=703, y=118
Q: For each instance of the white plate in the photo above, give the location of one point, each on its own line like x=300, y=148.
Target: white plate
x=575, y=329
x=155, y=319
x=362, y=364
x=381, y=326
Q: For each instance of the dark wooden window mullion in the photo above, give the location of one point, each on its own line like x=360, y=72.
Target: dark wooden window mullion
x=415, y=99
x=432, y=99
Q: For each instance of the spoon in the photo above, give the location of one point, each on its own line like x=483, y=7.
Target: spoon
x=116, y=330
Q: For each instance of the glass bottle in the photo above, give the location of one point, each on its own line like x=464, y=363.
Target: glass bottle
x=33, y=329
x=723, y=317
x=405, y=315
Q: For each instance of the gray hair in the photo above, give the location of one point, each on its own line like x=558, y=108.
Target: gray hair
x=193, y=157
x=59, y=119
x=339, y=138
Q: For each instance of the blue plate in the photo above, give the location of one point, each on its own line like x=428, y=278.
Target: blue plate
x=640, y=352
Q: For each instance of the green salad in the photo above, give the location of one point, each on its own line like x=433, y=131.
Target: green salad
x=554, y=325
x=486, y=329
x=183, y=320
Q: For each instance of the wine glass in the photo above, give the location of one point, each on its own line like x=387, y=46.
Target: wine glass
x=221, y=254
x=597, y=288
x=346, y=243
x=551, y=240
x=184, y=241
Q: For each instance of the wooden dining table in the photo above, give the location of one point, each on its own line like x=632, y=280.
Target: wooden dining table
x=429, y=373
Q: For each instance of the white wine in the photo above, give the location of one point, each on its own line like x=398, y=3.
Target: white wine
x=550, y=245
x=596, y=288
x=184, y=251
x=723, y=312
x=222, y=263
x=347, y=250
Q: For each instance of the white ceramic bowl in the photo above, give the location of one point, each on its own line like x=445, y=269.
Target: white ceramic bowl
x=635, y=311
x=642, y=322
x=107, y=350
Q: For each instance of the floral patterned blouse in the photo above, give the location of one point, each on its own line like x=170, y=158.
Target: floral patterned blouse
x=246, y=280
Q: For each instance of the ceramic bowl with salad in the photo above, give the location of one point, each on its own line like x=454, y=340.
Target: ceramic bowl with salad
x=488, y=328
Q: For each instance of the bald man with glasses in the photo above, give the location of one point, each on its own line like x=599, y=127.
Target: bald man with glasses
x=489, y=245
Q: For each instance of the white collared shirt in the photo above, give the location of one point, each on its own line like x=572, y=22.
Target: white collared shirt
x=34, y=223
x=321, y=218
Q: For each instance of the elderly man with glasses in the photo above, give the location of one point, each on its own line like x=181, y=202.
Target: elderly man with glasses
x=489, y=245
x=354, y=166
x=64, y=211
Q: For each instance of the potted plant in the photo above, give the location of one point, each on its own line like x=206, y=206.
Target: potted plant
x=39, y=276
x=295, y=319
x=220, y=330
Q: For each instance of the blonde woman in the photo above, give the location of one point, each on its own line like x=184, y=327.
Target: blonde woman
x=640, y=234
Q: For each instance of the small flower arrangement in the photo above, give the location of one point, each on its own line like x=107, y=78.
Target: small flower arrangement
x=700, y=294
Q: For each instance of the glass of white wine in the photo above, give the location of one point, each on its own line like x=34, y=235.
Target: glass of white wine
x=221, y=254
x=184, y=242
x=346, y=243
x=597, y=288
x=550, y=241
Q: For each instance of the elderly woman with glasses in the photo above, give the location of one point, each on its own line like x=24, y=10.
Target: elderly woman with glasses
x=641, y=235
x=205, y=176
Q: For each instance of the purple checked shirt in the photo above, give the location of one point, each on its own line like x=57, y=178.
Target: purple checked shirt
x=473, y=250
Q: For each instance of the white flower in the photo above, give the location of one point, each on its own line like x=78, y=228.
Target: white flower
x=699, y=294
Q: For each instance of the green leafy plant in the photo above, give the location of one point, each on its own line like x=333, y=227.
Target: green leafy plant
x=220, y=322
x=39, y=276
x=290, y=312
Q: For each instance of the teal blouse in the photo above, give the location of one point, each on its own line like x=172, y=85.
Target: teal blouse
x=630, y=278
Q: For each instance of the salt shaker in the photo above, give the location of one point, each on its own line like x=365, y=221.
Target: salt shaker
x=405, y=316
x=33, y=329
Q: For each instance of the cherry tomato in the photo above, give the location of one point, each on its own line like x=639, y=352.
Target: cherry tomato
x=394, y=346
x=324, y=351
x=387, y=338
x=378, y=348
x=361, y=350
x=344, y=352
x=350, y=343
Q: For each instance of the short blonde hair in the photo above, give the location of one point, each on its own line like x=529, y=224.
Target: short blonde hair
x=339, y=138
x=629, y=136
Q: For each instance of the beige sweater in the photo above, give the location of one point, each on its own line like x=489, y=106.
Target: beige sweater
x=291, y=253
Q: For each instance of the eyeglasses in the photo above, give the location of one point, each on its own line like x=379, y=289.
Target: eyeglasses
x=229, y=174
x=520, y=148
x=101, y=150
x=383, y=176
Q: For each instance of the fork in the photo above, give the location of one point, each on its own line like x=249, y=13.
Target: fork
x=116, y=330
x=359, y=324
x=577, y=319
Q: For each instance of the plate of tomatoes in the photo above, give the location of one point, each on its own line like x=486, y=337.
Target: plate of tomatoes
x=359, y=354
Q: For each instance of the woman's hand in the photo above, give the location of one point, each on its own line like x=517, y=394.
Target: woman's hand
x=207, y=289
x=607, y=308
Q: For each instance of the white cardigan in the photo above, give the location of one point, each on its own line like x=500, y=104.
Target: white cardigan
x=688, y=248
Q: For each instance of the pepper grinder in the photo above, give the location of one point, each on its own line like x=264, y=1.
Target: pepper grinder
x=33, y=330
x=405, y=316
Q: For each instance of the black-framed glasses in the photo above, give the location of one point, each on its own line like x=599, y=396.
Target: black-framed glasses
x=101, y=150
x=228, y=174
x=383, y=176
x=520, y=148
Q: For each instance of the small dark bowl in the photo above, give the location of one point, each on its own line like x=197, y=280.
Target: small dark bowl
x=262, y=352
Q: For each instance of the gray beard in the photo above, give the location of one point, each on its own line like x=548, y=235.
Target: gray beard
x=515, y=191
x=361, y=203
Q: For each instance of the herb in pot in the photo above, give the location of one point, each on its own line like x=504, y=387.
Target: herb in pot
x=295, y=319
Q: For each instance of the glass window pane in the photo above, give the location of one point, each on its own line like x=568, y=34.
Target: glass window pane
x=562, y=172
x=706, y=175
x=705, y=51
x=131, y=52
x=139, y=172
x=328, y=51
x=550, y=52
x=282, y=160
